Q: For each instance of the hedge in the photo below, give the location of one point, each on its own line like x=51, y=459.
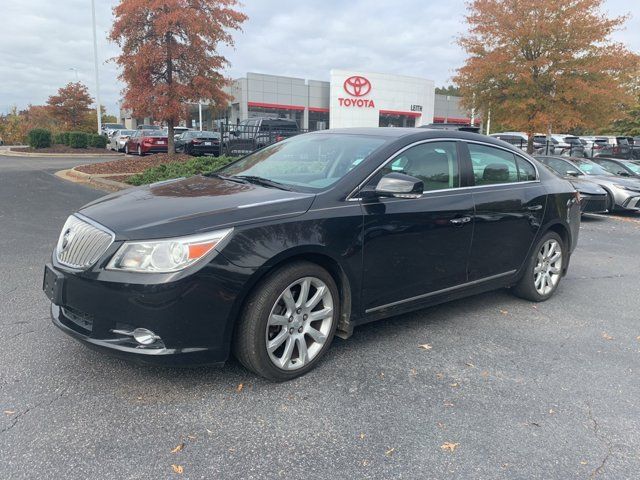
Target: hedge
x=97, y=141
x=189, y=168
x=65, y=138
x=78, y=139
x=58, y=139
x=39, y=138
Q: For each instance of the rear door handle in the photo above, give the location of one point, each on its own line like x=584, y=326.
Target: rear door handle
x=460, y=221
x=533, y=208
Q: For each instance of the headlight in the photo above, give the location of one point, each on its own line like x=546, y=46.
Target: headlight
x=167, y=255
x=627, y=187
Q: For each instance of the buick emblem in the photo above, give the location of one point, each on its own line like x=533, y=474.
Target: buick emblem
x=66, y=239
x=357, y=86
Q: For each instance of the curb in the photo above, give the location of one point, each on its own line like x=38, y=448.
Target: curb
x=7, y=152
x=97, y=181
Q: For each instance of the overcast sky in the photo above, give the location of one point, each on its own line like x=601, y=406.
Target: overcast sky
x=42, y=40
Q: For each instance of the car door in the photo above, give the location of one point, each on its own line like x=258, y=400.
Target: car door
x=509, y=207
x=415, y=248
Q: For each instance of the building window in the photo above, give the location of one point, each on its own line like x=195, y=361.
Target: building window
x=267, y=112
x=318, y=120
x=396, y=120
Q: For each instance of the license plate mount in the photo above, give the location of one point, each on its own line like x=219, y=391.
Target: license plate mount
x=53, y=285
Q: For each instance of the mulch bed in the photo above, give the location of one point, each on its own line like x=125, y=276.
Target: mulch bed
x=132, y=164
x=62, y=149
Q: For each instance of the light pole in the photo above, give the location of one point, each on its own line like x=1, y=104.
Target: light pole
x=200, y=114
x=75, y=70
x=95, y=58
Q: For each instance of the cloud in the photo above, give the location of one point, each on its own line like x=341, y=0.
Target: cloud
x=41, y=40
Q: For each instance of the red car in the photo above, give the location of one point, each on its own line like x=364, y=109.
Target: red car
x=146, y=141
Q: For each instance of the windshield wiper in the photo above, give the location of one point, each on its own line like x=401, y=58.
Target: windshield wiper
x=225, y=177
x=265, y=182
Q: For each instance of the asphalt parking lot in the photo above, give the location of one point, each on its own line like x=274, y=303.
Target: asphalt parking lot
x=502, y=388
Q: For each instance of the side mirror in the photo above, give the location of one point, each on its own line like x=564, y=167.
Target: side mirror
x=572, y=173
x=399, y=185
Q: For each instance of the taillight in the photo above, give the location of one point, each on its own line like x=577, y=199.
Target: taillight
x=197, y=142
x=279, y=138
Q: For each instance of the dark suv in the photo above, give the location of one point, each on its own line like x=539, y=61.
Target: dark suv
x=255, y=133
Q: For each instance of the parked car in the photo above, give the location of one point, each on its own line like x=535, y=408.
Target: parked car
x=177, y=131
x=108, y=128
x=576, y=148
x=462, y=127
x=593, y=198
x=593, y=146
x=518, y=139
x=256, y=133
x=622, y=193
x=616, y=147
x=149, y=127
x=635, y=148
x=118, y=139
x=272, y=255
x=199, y=143
x=146, y=141
x=623, y=168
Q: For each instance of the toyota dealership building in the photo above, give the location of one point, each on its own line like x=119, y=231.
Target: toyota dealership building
x=348, y=99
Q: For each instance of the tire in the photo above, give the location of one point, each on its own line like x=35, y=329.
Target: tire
x=611, y=204
x=126, y=149
x=140, y=151
x=269, y=315
x=529, y=286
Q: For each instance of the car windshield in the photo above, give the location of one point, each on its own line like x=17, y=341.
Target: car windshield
x=153, y=133
x=126, y=132
x=589, y=168
x=634, y=167
x=310, y=162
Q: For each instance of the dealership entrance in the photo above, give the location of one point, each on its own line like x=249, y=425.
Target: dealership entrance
x=391, y=119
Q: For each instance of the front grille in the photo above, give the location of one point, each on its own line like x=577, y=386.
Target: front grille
x=80, y=319
x=81, y=244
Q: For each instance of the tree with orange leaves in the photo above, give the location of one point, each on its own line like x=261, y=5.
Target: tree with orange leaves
x=169, y=54
x=69, y=106
x=539, y=65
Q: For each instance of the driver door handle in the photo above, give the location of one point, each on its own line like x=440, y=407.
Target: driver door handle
x=533, y=208
x=460, y=221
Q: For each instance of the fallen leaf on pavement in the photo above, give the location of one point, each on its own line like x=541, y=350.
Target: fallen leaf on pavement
x=484, y=373
x=469, y=364
x=362, y=436
x=439, y=376
x=448, y=404
x=552, y=411
x=638, y=338
x=179, y=448
x=504, y=312
x=425, y=346
x=454, y=385
x=449, y=446
x=239, y=387
x=414, y=372
x=177, y=469
x=606, y=336
x=440, y=425
x=583, y=462
x=9, y=412
x=389, y=452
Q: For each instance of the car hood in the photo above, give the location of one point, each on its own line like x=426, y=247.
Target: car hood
x=191, y=205
x=607, y=180
x=586, y=186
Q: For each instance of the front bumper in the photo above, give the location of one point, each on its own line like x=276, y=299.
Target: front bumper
x=632, y=203
x=593, y=203
x=193, y=317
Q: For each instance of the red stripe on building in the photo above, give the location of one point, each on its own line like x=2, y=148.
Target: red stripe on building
x=466, y=121
x=275, y=105
x=319, y=109
x=397, y=112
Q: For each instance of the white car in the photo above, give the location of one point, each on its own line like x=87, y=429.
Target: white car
x=118, y=139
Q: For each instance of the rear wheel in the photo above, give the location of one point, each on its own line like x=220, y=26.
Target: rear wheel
x=126, y=149
x=288, y=322
x=140, y=151
x=543, y=271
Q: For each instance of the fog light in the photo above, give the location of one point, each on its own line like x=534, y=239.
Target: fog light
x=144, y=336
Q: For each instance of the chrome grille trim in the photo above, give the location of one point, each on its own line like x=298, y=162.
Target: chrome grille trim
x=84, y=244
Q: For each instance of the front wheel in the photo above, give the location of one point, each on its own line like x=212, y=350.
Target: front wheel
x=140, y=150
x=288, y=322
x=543, y=270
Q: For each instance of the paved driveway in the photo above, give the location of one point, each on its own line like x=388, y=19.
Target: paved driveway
x=517, y=390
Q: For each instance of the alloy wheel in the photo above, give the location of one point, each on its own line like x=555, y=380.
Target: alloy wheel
x=548, y=267
x=299, y=323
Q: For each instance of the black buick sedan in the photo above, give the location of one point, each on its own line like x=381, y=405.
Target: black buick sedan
x=273, y=255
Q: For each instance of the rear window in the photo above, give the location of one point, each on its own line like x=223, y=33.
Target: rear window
x=153, y=133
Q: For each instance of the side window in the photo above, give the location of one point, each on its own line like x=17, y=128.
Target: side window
x=560, y=166
x=526, y=171
x=435, y=163
x=610, y=166
x=492, y=165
